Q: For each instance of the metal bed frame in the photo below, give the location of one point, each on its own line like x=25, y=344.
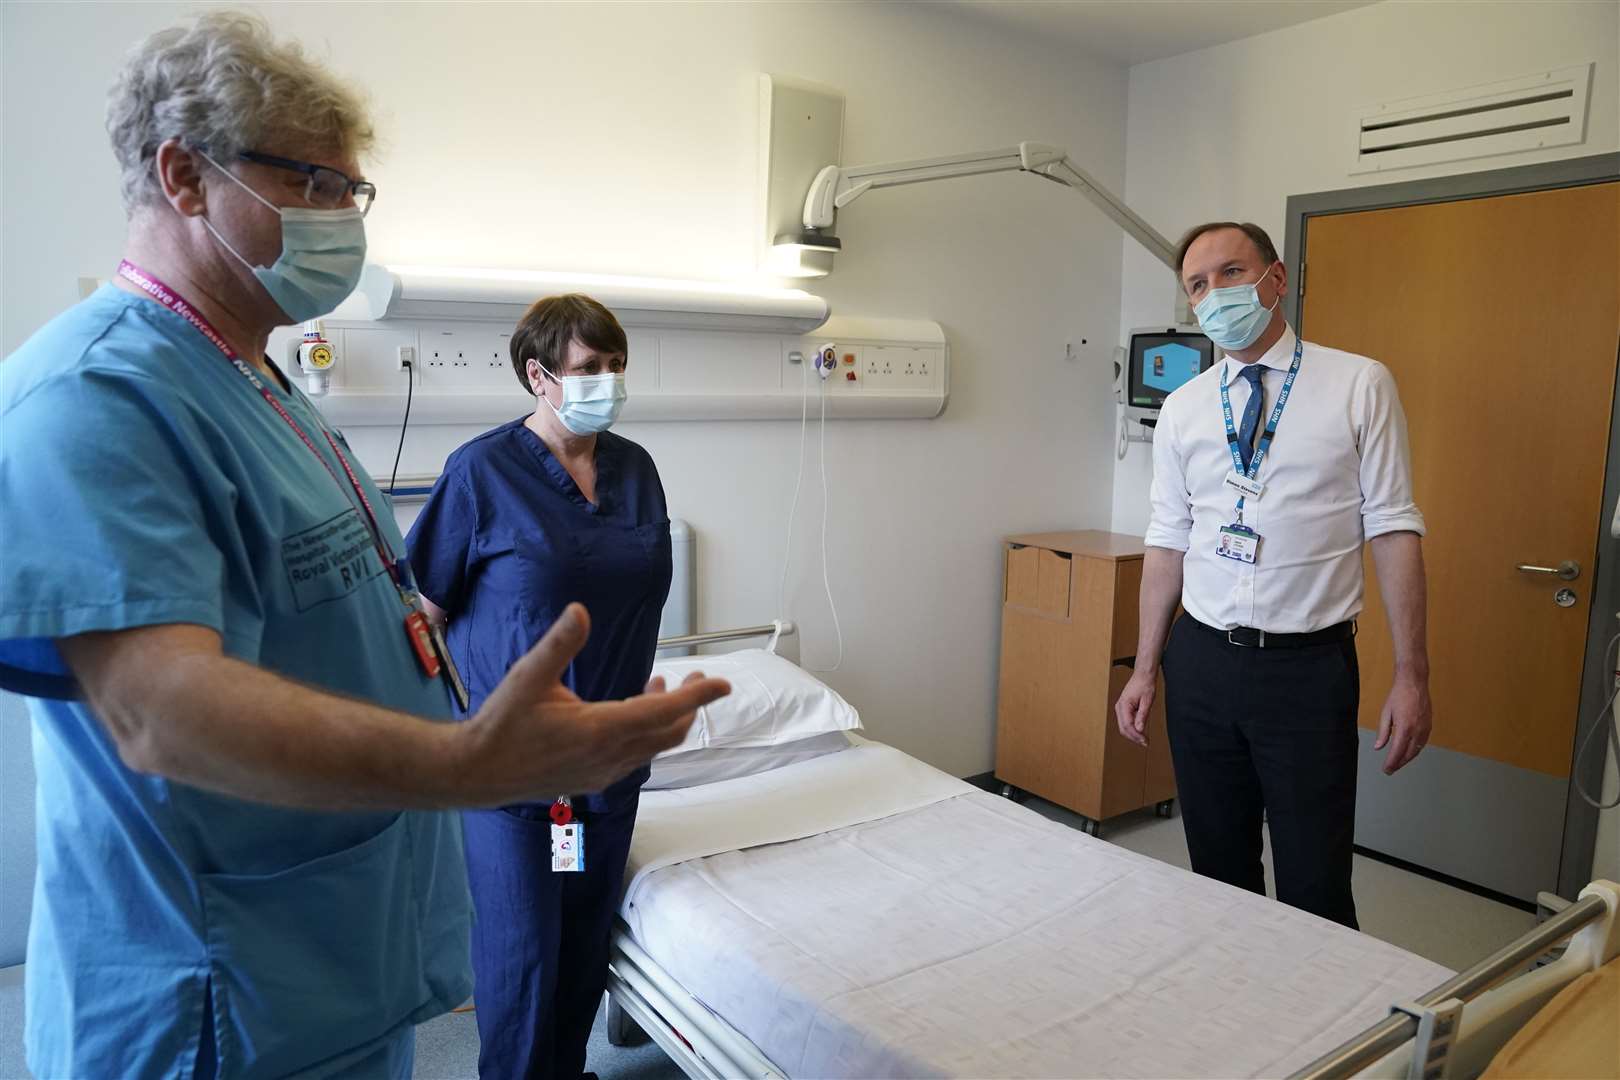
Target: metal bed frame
x=1459, y=1026
x=1453, y=1030
x=640, y=994
x=682, y=641
x=697, y=1040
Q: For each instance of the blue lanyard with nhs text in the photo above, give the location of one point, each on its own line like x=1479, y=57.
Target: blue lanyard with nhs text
x=1271, y=424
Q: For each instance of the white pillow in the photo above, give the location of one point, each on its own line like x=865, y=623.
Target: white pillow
x=772, y=701
x=692, y=768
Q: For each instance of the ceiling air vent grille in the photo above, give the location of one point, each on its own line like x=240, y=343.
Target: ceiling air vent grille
x=1528, y=113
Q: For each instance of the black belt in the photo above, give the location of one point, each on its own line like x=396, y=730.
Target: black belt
x=1249, y=637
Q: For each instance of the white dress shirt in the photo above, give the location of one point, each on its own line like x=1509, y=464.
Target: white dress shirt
x=1338, y=473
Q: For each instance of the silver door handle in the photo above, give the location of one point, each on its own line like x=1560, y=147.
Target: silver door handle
x=1569, y=569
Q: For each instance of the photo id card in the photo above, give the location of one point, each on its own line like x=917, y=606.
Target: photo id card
x=1238, y=543
x=568, y=848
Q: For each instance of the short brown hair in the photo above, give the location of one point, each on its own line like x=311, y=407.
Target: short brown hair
x=1268, y=250
x=550, y=324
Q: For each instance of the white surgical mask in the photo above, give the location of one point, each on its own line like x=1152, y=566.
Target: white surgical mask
x=1232, y=317
x=322, y=255
x=591, y=403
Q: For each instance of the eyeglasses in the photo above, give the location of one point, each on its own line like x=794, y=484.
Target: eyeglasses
x=326, y=188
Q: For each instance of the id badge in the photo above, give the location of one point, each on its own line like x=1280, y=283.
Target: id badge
x=452, y=675
x=1239, y=543
x=1242, y=485
x=568, y=848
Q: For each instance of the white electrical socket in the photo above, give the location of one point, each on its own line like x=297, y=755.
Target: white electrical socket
x=405, y=354
x=898, y=367
x=500, y=352
x=466, y=360
x=902, y=367
x=878, y=370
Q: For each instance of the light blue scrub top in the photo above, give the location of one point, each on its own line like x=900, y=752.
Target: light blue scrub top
x=144, y=481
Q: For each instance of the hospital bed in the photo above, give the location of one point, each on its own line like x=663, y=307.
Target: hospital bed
x=862, y=914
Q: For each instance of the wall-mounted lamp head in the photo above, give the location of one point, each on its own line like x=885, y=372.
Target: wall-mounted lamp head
x=806, y=253
x=802, y=129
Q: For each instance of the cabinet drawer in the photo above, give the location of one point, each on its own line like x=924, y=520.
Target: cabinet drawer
x=1038, y=580
x=1127, y=607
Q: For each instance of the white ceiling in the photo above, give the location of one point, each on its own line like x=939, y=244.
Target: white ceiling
x=1132, y=31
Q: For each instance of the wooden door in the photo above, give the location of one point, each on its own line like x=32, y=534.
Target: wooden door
x=1499, y=318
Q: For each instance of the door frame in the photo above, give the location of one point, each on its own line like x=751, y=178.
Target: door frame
x=1580, y=819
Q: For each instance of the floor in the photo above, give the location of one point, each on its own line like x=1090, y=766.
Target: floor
x=1437, y=921
x=1444, y=924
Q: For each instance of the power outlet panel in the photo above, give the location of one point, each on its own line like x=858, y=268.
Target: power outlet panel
x=464, y=360
x=902, y=367
x=885, y=369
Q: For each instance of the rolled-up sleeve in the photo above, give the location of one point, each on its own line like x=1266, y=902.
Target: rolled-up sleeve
x=1171, y=523
x=1386, y=458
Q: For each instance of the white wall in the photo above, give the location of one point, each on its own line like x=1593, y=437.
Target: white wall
x=613, y=137
x=1232, y=131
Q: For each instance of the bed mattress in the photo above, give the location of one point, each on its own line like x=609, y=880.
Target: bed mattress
x=914, y=926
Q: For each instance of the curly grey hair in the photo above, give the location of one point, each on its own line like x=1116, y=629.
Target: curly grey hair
x=222, y=82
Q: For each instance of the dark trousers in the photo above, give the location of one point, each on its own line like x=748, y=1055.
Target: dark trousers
x=540, y=939
x=1266, y=732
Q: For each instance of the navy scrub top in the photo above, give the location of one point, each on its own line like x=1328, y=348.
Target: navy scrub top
x=507, y=541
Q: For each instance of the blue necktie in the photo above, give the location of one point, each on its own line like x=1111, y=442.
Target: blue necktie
x=1251, y=411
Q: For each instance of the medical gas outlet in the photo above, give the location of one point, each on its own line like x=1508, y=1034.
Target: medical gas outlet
x=316, y=358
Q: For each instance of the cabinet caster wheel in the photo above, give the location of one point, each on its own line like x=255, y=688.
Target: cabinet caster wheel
x=1013, y=794
x=1091, y=828
x=1165, y=808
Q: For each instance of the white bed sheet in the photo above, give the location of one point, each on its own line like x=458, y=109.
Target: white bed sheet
x=966, y=936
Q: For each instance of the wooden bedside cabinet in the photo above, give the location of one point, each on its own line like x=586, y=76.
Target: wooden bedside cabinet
x=1068, y=639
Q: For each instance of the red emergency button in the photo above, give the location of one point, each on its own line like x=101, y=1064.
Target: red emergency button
x=850, y=375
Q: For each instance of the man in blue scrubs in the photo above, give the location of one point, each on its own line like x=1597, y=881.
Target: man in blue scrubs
x=244, y=867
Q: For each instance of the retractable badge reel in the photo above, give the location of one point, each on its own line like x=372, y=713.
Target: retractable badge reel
x=567, y=838
x=420, y=634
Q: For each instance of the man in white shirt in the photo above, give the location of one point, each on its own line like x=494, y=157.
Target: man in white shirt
x=1261, y=683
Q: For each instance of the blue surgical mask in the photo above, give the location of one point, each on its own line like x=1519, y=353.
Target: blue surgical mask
x=1232, y=317
x=591, y=403
x=322, y=255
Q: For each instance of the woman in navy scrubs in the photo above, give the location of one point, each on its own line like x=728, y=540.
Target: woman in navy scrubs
x=543, y=511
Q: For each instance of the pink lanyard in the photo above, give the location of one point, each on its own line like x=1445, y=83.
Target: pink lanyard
x=176, y=303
